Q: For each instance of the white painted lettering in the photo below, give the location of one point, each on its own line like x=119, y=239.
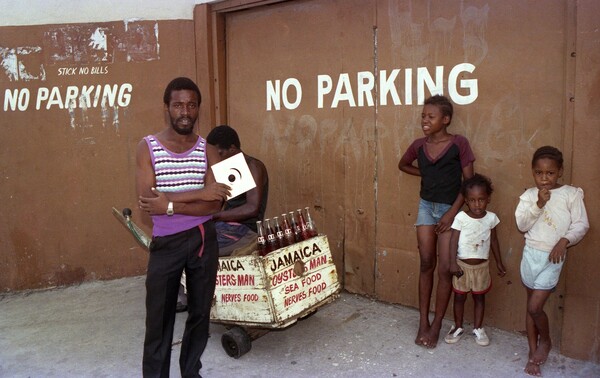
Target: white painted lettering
x=55, y=98
x=71, y=96
x=366, y=84
x=324, y=86
x=386, y=85
x=343, y=92
x=420, y=82
x=408, y=89
x=470, y=84
x=85, y=100
x=273, y=95
x=42, y=95
x=434, y=87
x=18, y=99
x=110, y=95
x=296, y=84
x=125, y=94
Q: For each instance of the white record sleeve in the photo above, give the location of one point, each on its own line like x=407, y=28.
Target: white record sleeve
x=234, y=171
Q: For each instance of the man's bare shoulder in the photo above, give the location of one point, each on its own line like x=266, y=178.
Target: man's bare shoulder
x=255, y=163
x=142, y=146
x=257, y=167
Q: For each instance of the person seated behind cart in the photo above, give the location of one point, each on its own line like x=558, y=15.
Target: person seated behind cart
x=236, y=223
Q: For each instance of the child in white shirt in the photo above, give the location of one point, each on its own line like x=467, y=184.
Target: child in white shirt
x=553, y=217
x=473, y=234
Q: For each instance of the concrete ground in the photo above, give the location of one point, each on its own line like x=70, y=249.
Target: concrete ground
x=96, y=330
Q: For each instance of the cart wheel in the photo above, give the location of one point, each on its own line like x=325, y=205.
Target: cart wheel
x=236, y=342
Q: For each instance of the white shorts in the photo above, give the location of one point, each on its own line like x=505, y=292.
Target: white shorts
x=537, y=271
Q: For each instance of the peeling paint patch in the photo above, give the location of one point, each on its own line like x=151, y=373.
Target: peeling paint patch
x=102, y=43
x=22, y=63
x=141, y=41
x=79, y=44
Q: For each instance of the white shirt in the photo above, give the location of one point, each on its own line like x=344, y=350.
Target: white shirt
x=563, y=216
x=474, y=240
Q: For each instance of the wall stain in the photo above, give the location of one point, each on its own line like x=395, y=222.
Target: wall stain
x=67, y=276
x=25, y=262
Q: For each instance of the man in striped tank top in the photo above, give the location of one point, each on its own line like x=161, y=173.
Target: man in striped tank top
x=177, y=160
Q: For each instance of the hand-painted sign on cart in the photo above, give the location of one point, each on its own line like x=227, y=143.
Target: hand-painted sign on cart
x=256, y=293
x=276, y=289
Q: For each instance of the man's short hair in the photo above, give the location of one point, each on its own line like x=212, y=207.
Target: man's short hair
x=178, y=84
x=223, y=137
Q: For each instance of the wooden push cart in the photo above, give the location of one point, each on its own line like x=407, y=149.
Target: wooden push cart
x=255, y=293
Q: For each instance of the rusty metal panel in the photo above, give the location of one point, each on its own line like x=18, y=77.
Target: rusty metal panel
x=319, y=152
x=581, y=330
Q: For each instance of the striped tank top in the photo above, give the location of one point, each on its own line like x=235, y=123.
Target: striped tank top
x=177, y=172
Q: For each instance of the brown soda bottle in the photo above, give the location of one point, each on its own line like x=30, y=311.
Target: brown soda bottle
x=296, y=228
x=310, y=224
x=303, y=225
x=279, y=233
x=261, y=241
x=288, y=232
x=272, y=242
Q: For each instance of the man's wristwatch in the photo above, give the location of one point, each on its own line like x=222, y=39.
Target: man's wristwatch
x=170, y=209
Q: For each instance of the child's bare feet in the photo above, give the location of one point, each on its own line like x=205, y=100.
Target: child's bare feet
x=540, y=355
x=432, y=337
x=422, y=336
x=533, y=369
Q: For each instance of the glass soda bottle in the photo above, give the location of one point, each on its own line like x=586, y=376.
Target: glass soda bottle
x=303, y=225
x=288, y=232
x=310, y=224
x=296, y=228
x=279, y=233
x=272, y=242
x=261, y=242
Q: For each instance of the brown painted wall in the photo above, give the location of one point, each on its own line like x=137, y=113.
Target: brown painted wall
x=342, y=160
x=322, y=158
x=63, y=169
x=64, y=166
x=581, y=327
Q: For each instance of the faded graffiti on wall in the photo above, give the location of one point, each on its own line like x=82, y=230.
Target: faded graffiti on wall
x=71, y=51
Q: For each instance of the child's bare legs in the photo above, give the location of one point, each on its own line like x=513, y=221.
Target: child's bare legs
x=459, y=309
x=444, y=288
x=540, y=335
x=479, y=309
x=538, y=330
x=532, y=338
x=427, y=240
x=532, y=332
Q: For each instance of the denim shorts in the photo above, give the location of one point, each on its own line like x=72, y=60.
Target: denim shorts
x=537, y=271
x=430, y=213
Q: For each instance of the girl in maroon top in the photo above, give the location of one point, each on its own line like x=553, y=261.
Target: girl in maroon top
x=443, y=161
